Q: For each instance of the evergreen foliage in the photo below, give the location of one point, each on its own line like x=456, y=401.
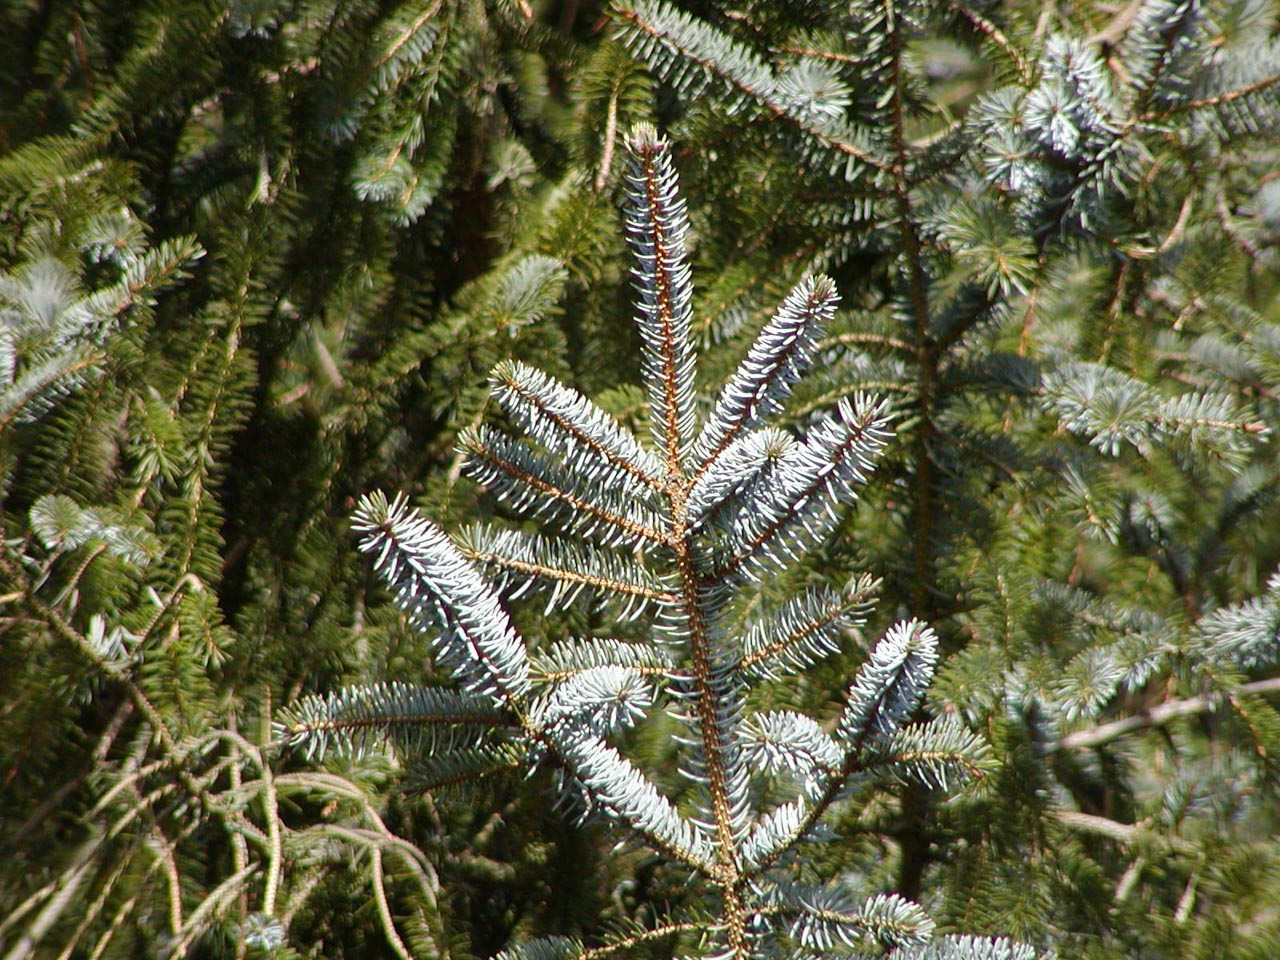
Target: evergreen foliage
x=259, y=258
x=707, y=545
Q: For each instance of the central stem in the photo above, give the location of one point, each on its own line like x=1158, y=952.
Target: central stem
x=728, y=875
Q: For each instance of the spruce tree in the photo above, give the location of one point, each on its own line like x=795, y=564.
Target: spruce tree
x=686, y=534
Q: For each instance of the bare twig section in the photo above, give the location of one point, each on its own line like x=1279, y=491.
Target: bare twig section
x=1114, y=31
x=384, y=908
x=1126, y=833
x=610, y=139
x=1155, y=717
x=1179, y=226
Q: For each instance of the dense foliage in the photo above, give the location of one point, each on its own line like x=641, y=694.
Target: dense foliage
x=260, y=258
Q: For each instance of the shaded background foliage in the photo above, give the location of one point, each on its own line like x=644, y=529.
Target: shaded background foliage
x=258, y=257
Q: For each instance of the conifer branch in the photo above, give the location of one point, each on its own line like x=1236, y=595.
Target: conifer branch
x=1218, y=100
x=82, y=646
x=617, y=784
x=821, y=919
x=996, y=36
x=804, y=629
x=747, y=77
x=1081, y=513
x=656, y=228
x=491, y=459
x=565, y=575
x=708, y=707
x=544, y=407
x=38, y=382
x=779, y=357
x=407, y=34
x=738, y=498
x=889, y=685
x=436, y=584
x=811, y=479
x=931, y=755
x=568, y=658
x=1168, y=22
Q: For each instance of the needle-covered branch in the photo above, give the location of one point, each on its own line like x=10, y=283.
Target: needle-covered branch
x=657, y=554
